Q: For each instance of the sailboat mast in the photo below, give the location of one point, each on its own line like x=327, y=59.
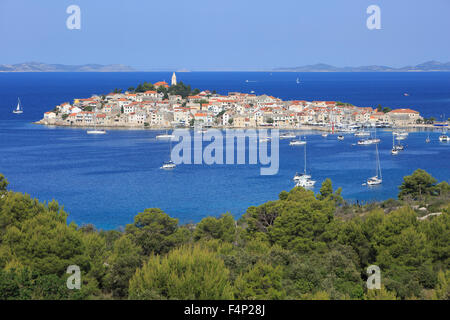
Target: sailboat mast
x=378, y=161
x=305, y=157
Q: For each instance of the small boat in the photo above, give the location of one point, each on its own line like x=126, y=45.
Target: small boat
x=168, y=165
x=394, y=150
x=264, y=139
x=165, y=136
x=377, y=179
x=324, y=135
x=400, y=133
x=444, y=138
x=96, y=131
x=374, y=181
x=362, y=134
x=340, y=137
x=303, y=179
x=297, y=143
x=298, y=81
x=252, y=91
x=305, y=183
x=368, y=141
x=300, y=176
x=18, y=109
x=406, y=94
x=427, y=140
x=400, y=137
x=288, y=136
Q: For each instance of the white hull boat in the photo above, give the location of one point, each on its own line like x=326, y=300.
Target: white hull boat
x=297, y=143
x=96, y=132
x=18, y=109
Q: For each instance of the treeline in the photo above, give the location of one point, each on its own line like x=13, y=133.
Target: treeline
x=180, y=89
x=301, y=246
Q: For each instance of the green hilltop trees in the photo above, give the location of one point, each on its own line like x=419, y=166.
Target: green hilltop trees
x=301, y=246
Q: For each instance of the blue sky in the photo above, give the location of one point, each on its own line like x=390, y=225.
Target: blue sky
x=225, y=35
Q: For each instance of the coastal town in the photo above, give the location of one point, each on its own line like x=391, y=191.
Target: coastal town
x=162, y=107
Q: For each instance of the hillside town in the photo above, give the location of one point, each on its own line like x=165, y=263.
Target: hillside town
x=159, y=108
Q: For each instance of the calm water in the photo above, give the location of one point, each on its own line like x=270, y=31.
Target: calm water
x=107, y=179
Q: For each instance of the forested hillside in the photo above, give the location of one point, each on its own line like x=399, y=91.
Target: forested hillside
x=302, y=246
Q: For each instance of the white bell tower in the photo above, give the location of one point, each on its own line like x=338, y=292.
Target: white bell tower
x=174, y=79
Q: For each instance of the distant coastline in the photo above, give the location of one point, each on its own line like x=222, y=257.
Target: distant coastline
x=429, y=66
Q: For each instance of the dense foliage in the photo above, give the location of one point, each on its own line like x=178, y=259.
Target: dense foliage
x=301, y=246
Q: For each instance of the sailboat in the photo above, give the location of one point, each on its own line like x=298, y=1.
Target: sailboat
x=165, y=136
x=95, y=130
x=18, y=108
x=427, y=140
x=394, y=150
x=298, y=80
x=168, y=165
x=303, y=179
x=377, y=179
x=297, y=142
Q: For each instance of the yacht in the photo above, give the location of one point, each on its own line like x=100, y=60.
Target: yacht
x=168, y=165
x=95, y=130
x=303, y=179
x=301, y=176
x=377, y=179
x=394, y=150
x=362, y=134
x=165, y=136
x=368, y=141
x=400, y=133
x=18, y=109
x=444, y=138
x=305, y=183
x=288, y=135
x=297, y=143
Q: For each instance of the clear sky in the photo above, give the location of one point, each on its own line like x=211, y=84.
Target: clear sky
x=225, y=35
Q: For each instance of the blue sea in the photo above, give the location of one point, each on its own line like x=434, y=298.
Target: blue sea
x=106, y=180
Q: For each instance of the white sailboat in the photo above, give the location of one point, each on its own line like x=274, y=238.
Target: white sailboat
x=377, y=179
x=18, y=109
x=95, y=130
x=394, y=150
x=168, y=165
x=165, y=136
x=298, y=81
x=427, y=140
x=304, y=179
x=297, y=143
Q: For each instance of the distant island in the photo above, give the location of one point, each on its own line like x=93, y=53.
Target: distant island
x=430, y=66
x=44, y=67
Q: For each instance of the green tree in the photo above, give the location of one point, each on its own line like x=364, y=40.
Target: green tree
x=419, y=184
x=153, y=231
x=3, y=184
x=188, y=272
x=122, y=264
x=261, y=282
x=222, y=228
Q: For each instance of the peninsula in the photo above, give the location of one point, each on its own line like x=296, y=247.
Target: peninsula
x=161, y=105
